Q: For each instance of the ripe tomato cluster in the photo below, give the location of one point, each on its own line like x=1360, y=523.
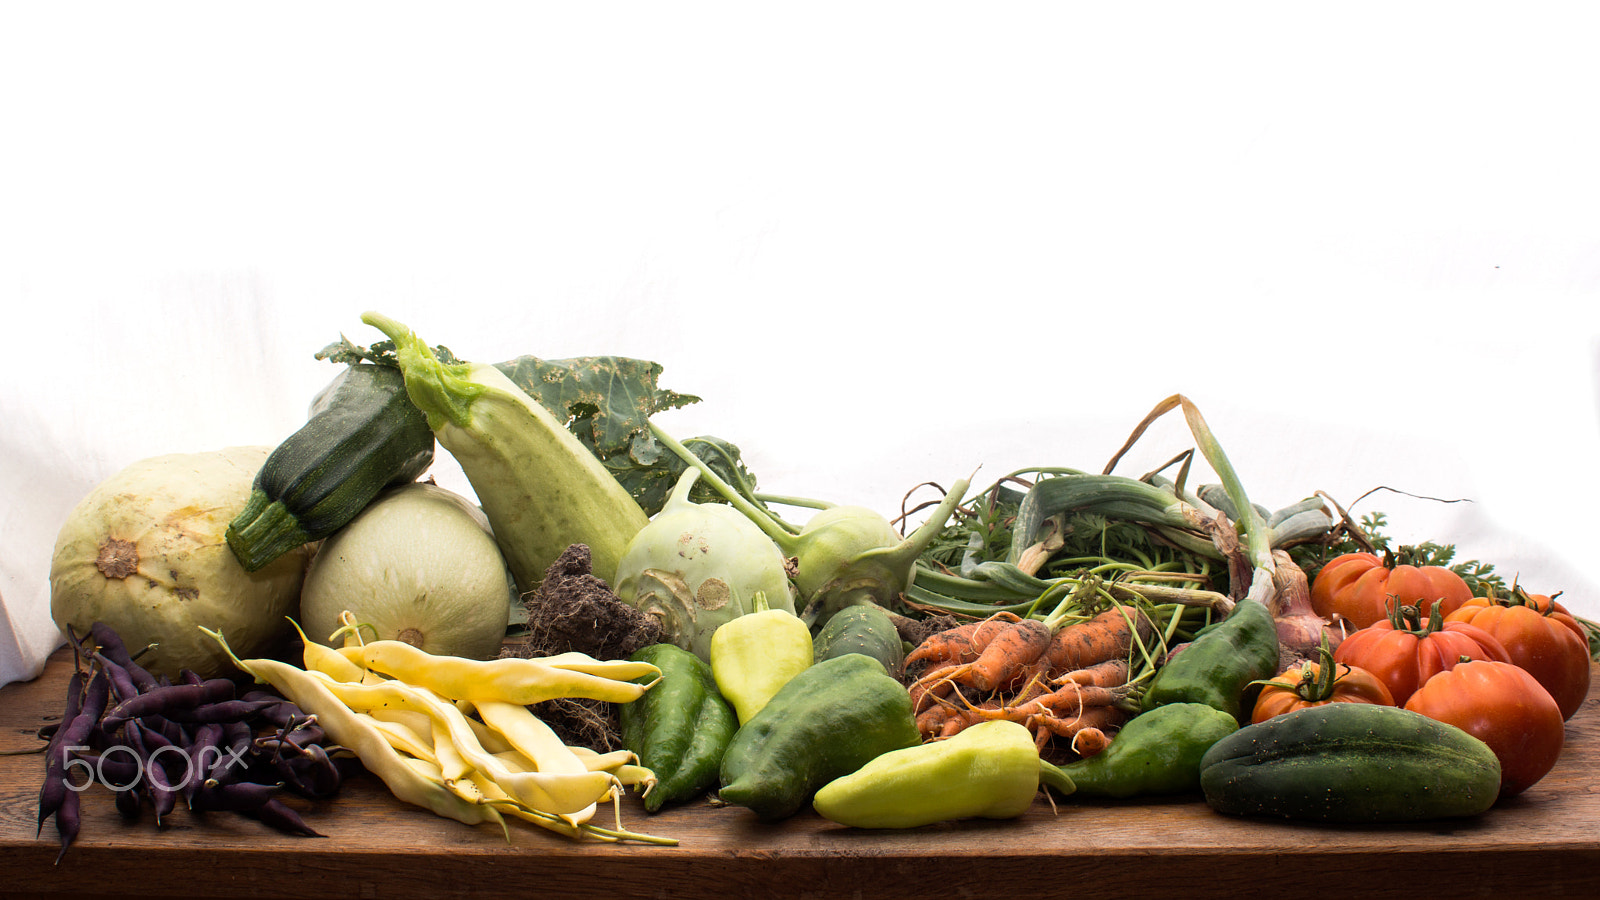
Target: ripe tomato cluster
x=1507, y=670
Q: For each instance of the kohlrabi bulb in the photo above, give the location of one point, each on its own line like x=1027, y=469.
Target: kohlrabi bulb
x=697, y=565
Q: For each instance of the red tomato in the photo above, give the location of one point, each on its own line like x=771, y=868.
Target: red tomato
x=1307, y=684
x=1363, y=589
x=1551, y=650
x=1405, y=652
x=1502, y=705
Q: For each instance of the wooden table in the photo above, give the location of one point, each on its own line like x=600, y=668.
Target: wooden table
x=1542, y=843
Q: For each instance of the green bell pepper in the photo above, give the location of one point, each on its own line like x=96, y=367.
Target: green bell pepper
x=991, y=770
x=1157, y=752
x=679, y=728
x=828, y=721
x=1219, y=665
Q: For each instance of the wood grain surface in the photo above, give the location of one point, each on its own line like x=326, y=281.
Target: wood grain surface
x=1543, y=843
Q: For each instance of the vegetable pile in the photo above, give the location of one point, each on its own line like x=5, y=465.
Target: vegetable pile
x=1059, y=632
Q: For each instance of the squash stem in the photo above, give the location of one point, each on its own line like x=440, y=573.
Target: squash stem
x=263, y=531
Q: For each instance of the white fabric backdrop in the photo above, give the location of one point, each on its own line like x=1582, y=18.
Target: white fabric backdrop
x=886, y=243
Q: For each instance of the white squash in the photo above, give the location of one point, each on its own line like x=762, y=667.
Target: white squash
x=144, y=553
x=419, y=565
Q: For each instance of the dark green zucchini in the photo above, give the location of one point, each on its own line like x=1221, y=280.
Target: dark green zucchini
x=1352, y=763
x=866, y=629
x=363, y=434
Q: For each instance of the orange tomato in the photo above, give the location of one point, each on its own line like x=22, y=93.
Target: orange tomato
x=1363, y=589
x=1314, y=684
x=1404, y=651
x=1539, y=637
x=1505, y=707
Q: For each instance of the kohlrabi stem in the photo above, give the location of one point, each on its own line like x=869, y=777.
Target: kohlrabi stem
x=801, y=502
x=785, y=540
x=907, y=552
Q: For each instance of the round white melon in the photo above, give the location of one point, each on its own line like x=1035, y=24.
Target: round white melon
x=419, y=565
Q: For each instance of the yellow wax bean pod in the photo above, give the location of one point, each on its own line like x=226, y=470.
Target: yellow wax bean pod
x=620, y=669
x=495, y=796
x=517, y=762
x=558, y=792
x=425, y=768
x=521, y=681
x=403, y=738
x=491, y=740
x=603, y=762
x=624, y=764
x=316, y=695
x=453, y=765
x=635, y=775
x=531, y=735
x=322, y=658
x=422, y=724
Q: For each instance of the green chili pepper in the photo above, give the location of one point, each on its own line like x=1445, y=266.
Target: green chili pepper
x=680, y=727
x=991, y=770
x=1157, y=752
x=1218, y=666
x=756, y=654
x=827, y=722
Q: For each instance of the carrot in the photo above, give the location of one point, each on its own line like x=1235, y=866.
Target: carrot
x=936, y=684
x=960, y=644
x=1069, y=727
x=930, y=722
x=1071, y=699
x=962, y=719
x=1009, y=654
x=943, y=647
x=1106, y=636
x=1090, y=741
x=1110, y=673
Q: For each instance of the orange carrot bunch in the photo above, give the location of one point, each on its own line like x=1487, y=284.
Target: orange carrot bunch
x=1066, y=684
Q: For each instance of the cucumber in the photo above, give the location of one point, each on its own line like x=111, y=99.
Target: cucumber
x=865, y=629
x=540, y=487
x=363, y=434
x=1351, y=763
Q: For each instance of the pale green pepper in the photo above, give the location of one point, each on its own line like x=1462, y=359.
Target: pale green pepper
x=755, y=655
x=991, y=770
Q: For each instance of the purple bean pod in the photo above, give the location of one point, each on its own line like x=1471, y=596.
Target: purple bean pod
x=130, y=803
x=219, y=711
x=161, y=794
x=67, y=822
x=313, y=775
x=53, y=792
x=165, y=700
x=239, y=797
x=203, y=751
x=122, y=683
x=112, y=646
x=120, y=772
x=281, y=816
x=54, y=764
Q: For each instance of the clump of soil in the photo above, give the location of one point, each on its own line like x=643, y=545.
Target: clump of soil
x=575, y=611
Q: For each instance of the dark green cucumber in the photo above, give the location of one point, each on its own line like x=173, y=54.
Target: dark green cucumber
x=363, y=434
x=866, y=629
x=1353, y=763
